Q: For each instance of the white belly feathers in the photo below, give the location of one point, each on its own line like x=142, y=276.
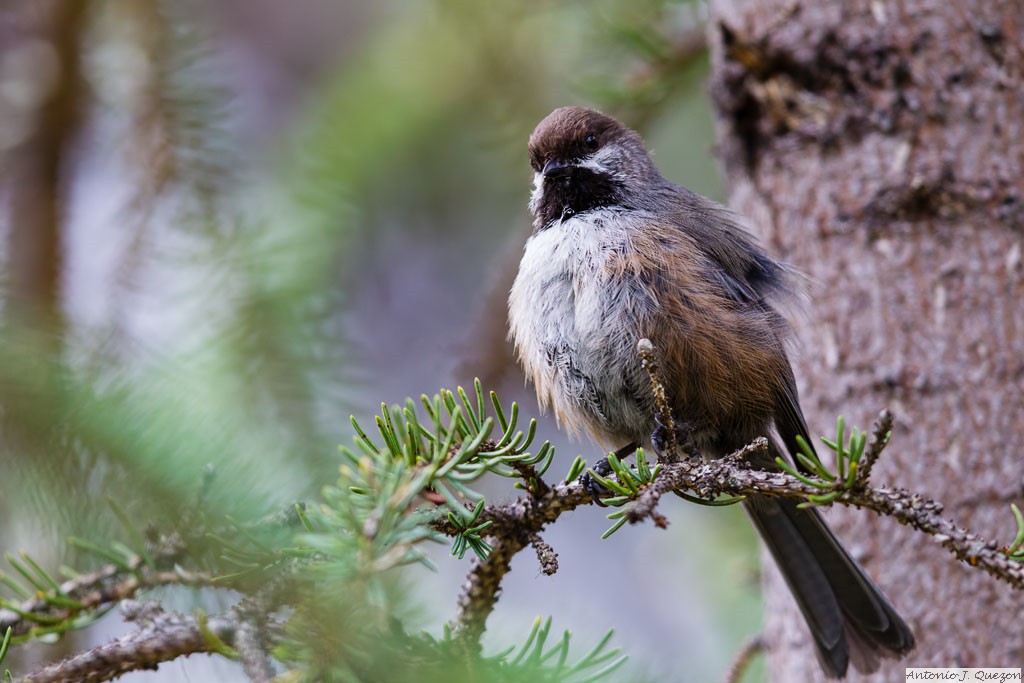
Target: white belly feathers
x=565, y=319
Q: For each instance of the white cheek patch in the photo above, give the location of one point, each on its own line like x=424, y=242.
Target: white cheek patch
x=602, y=161
x=538, y=181
x=538, y=192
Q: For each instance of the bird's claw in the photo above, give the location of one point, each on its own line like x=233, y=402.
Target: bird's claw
x=592, y=485
x=660, y=439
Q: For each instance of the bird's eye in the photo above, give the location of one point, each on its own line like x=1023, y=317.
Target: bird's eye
x=590, y=141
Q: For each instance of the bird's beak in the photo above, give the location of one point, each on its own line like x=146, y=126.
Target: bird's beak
x=551, y=166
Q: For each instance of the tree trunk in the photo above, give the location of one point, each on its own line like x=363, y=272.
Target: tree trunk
x=878, y=146
x=38, y=186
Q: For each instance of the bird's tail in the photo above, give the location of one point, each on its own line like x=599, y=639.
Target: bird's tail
x=848, y=615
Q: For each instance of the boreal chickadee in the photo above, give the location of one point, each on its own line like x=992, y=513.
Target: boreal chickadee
x=617, y=254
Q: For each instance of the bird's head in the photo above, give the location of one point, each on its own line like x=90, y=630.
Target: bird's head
x=584, y=160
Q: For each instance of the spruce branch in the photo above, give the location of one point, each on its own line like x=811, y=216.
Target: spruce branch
x=639, y=489
x=56, y=608
x=546, y=555
x=162, y=636
x=415, y=488
x=649, y=362
x=481, y=590
x=253, y=644
x=52, y=608
x=744, y=657
x=596, y=665
x=729, y=476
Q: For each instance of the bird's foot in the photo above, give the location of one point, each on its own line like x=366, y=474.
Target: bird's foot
x=662, y=439
x=592, y=485
x=603, y=468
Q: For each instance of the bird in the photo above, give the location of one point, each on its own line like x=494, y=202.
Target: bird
x=618, y=254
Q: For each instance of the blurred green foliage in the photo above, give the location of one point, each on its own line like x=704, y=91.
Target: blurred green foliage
x=230, y=271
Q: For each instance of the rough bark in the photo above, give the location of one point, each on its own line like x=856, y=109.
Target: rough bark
x=879, y=147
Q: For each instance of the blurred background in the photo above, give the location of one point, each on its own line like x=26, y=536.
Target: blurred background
x=226, y=226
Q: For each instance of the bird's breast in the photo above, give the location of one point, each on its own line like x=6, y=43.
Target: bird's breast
x=573, y=319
